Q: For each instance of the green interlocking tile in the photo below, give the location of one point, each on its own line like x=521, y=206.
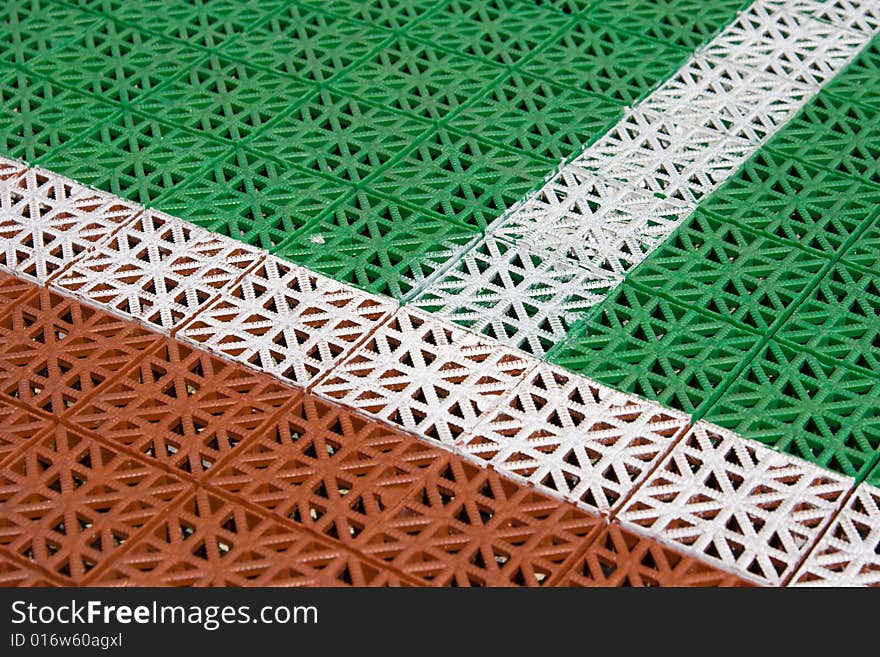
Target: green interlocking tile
x=30, y=28
x=306, y=43
x=729, y=271
x=250, y=198
x=685, y=23
x=655, y=348
x=389, y=14
x=840, y=320
x=206, y=23
x=419, y=79
x=865, y=251
x=379, y=245
x=570, y=7
x=37, y=116
x=460, y=177
x=797, y=403
x=500, y=31
x=594, y=57
x=538, y=117
x=834, y=134
x=340, y=136
x=134, y=156
x=860, y=81
x=116, y=62
x=225, y=98
x=808, y=207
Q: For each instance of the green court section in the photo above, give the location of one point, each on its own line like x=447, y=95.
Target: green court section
x=370, y=140
x=762, y=312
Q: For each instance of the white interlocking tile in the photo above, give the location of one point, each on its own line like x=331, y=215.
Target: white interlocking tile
x=46, y=221
x=575, y=438
x=426, y=375
x=849, y=552
x=158, y=269
x=288, y=321
x=737, y=503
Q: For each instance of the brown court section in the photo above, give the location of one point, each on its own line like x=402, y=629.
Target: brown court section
x=128, y=458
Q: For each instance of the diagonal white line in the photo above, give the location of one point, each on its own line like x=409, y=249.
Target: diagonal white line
x=610, y=207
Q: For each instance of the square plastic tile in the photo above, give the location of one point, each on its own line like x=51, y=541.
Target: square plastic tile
x=70, y=502
x=287, y=321
x=426, y=376
x=468, y=526
x=849, y=552
x=183, y=408
x=327, y=468
x=158, y=269
x=55, y=351
x=211, y=541
x=516, y=296
x=46, y=221
x=574, y=438
x=735, y=503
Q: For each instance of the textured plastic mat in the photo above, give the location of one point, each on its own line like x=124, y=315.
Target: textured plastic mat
x=379, y=245
x=18, y=426
x=71, y=501
x=328, y=468
x=731, y=503
x=158, y=269
x=359, y=94
x=648, y=345
x=288, y=320
x=799, y=403
x=465, y=525
x=178, y=468
x=56, y=351
x=425, y=375
x=367, y=134
x=182, y=407
x=514, y=295
x=46, y=221
x=847, y=555
x=618, y=557
x=589, y=444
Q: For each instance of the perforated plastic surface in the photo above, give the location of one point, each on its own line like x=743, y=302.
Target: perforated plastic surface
x=54, y=351
x=374, y=143
x=654, y=347
x=159, y=269
x=379, y=245
x=71, y=501
x=327, y=468
x=515, y=295
x=46, y=221
x=585, y=442
x=468, y=526
x=182, y=408
x=847, y=554
x=183, y=469
x=731, y=502
x=287, y=320
x=426, y=375
x=618, y=557
x=799, y=403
